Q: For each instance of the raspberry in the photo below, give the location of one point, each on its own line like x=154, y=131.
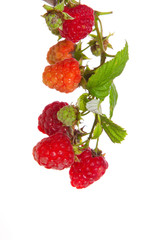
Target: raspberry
x=78, y=28
x=53, y=22
x=59, y=52
x=96, y=50
x=54, y=152
x=68, y=115
x=63, y=76
x=88, y=170
x=48, y=122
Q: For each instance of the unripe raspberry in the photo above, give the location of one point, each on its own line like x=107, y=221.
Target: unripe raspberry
x=54, y=152
x=53, y=22
x=67, y=115
x=95, y=48
x=61, y=51
x=63, y=76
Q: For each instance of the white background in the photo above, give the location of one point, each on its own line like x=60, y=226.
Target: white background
x=37, y=203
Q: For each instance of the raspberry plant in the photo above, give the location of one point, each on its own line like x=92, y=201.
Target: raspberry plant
x=68, y=144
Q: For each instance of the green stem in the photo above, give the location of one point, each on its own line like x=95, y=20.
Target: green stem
x=103, y=58
x=102, y=13
x=100, y=41
x=84, y=114
x=100, y=26
x=99, y=35
x=109, y=55
x=94, y=124
x=96, y=149
x=84, y=49
x=82, y=143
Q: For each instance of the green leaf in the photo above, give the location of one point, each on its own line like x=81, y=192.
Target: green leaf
x=97, y=131
x=116, y=133
x=113, y=96
x=81, y=102
x=100, y=83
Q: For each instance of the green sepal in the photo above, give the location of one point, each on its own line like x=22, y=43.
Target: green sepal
x=71, y=3
x=78, y=54
x=116, y=133
x=66, y=16
x=48, y=8
x=97, y=131
x=59, y=7
x=100, y=82
x=82, y=101
x=76, y=149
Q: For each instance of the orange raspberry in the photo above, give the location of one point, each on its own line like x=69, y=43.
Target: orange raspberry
x=61, y=51
x=63, y=76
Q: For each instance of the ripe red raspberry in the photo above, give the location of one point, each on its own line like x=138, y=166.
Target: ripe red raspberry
x=63, y=76
x=78, y=28
x=61, y=51
x=88, y=170
x=48, y=122
x=54, y=152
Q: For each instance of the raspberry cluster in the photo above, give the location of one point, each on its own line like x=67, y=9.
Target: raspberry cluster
x=67, y=144
x=57, y=150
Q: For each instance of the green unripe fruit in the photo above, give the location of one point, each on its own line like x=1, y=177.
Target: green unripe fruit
x=68, y=115
x=96, y=50
x=53, y=22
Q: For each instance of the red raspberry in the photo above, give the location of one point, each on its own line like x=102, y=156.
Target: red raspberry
x=59, y=52
x=54, y=152
x=48, y=122
x=88, y=170
x=63, y=76
x=78, y=28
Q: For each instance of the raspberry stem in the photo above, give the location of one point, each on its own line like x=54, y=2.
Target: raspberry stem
x=99, y=34
x=96, y=148
x=85, y=49
x=102, y=13
x=94, y=124
x=100, y=40
x=85, y=113
x=101, y=28
x=109, y=55
x=87, y=141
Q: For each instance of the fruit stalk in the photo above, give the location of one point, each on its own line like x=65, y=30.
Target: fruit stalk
x=100, y=40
